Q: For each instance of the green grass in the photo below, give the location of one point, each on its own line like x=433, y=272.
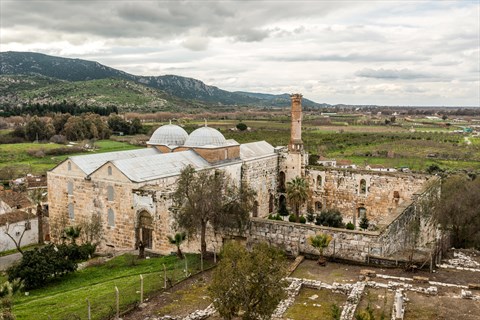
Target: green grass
x=12, y=251
x=66, y=298
x=319, y=308
x=17, y=154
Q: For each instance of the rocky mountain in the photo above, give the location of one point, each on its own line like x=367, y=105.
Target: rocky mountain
x=73, y=70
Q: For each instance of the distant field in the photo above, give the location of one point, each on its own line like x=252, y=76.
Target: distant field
x=19, y=154
x=392, y=146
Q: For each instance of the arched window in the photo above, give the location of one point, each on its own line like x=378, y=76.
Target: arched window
x=319, y=181
x=109, y=169
x=69, y=166
x=270, y=204
x=363, y=186
x=281, y=181
x=70, y=188
x=110, y=193
x=111, y=217
x=362, y=212
x=71, y=213
x=255, y=209
x=318, y=206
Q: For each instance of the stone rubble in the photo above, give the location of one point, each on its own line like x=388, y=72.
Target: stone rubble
x=352, y=301
x=292, y=291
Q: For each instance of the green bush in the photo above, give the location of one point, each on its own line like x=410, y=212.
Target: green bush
x=242, y=126
x=292, y=218
x=302, y=219
x=38, y=266
x=364, y=223
x=330, y=218
x=350, y=226
x=275, y=217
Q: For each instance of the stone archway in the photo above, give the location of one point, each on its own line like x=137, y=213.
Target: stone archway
x=144, y=229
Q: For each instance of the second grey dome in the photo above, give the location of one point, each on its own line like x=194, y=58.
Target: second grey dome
x=205, y=136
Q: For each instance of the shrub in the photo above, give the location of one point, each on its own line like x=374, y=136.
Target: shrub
x=302, y=219
x=350, y=226
x=292, y=218
x=275, y=217
x=330, y=218
x=364, y=223
x=242, y=126
x=38, y=266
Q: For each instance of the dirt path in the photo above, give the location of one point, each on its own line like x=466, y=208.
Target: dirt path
x=167, y=300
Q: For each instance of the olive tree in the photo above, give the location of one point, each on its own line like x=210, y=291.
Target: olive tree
x=251, y=282
x=210, y=197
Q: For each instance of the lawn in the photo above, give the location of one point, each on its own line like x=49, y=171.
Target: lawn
x=66, y=298
x=19, y=155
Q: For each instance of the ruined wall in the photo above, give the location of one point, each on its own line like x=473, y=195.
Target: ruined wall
x=261, y=175
x=385, y=194
x=351, y=244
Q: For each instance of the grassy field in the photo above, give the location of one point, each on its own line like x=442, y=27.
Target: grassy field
x=392, y=146
x=66, y=298
x=19, y=155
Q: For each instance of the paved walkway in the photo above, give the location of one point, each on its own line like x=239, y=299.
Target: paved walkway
x=7, y=261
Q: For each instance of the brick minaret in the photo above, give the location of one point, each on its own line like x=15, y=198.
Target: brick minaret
x=296, y=143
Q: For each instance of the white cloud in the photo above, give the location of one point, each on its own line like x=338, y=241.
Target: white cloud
x=421, y=53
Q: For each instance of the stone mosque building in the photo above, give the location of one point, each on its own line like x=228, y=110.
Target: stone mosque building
x=131, y=190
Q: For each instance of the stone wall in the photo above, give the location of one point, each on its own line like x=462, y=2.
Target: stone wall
x=261, y=175
x=385, y=195
x=349, y=244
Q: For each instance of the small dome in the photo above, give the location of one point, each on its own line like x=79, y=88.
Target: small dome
x=168, y=134
x=205, y=136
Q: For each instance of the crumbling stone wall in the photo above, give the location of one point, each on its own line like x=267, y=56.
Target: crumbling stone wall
x=348, y=244
x=386, y=194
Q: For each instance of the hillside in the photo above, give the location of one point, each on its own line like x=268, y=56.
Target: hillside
x=74, y=70
x=126, y=95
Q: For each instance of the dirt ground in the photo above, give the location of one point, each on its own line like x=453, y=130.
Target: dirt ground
x=191, y=294
x=186, y=297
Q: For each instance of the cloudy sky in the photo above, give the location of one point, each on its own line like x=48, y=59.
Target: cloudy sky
x=358, y=52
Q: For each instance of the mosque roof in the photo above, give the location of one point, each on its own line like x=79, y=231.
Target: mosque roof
x=205, y=137
x=256, y=150
x=91, y=162
x=159, y=166
x=169, y=135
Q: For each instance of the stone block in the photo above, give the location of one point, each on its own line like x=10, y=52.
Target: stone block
x=474, y=286
x=368, y=273
x=419, y=279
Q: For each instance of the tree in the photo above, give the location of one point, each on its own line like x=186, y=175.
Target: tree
x=320, y=242
x=242, y=126
x=297, y=194
x=458, y=210
x=251, y=282
x=177, y=240
x=38, y=196
x=23, y=224
x=40, y=129
x=330, y=218
x=209, y=197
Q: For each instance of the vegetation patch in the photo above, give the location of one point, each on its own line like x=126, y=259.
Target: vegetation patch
x=65, y=298
x=317, y=304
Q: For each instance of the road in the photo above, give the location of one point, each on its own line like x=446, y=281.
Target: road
x=7, y=261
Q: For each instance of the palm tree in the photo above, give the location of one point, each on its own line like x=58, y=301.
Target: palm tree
x=320, y=242
x=297, y=194
x=177, y=240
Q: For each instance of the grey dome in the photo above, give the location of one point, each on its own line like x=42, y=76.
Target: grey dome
x=205, y=136
x=168, y=134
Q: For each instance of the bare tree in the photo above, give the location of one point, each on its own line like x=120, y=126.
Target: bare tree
x=24, y=224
